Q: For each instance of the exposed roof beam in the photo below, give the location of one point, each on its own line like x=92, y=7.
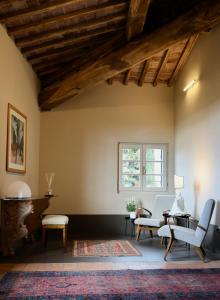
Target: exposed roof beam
x=185, y=53
x=202, y=16
x=126, y=77
x=136, y=17
x=70, y=41
x=143, y=72
x=161, y=66
x=85, y=12
x=84, y=26
x=101, y=50
x=74, y=48
x=32, y=11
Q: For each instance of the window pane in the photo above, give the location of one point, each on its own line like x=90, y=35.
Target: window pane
x=154, y=168
x=130, y=181
x=130, y=167
x=131, y=154
x=153, y=181
x=154, y=154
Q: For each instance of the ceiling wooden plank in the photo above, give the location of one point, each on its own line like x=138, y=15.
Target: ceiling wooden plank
x=92, y=42
x=70, y=41
x=101, y=50
x=32, y=11
x=84, y=12
x=84, y=26
x=204, y=15
x=126, y=77
x=180, y=63
x=161, y=66
x=136, y=17
x=144, y=72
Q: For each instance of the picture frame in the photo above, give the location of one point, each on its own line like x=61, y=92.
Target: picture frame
x=16, y=141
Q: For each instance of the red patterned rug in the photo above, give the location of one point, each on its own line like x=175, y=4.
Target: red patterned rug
x=124, y=284
x=96, y=248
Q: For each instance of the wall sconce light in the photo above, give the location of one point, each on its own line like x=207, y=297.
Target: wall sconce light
x=190, y=85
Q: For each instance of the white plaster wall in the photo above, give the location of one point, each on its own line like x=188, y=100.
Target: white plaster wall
x=79, y=143
x=197, y=125
x=18, y=86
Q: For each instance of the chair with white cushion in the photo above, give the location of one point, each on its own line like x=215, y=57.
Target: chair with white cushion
x=188, y=235
x=154, y=220
x=55, y=222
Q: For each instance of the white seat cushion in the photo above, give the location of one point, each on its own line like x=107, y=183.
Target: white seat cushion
x=55, y=220
x=180, y=233
x=149, y=222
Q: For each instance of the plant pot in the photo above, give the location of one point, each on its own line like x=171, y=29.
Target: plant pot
x=133, y=215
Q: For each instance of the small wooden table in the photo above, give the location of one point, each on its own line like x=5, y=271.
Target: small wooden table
x=20, y=218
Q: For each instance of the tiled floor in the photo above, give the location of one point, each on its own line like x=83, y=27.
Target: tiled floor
x=33, y=257
x=151, y=249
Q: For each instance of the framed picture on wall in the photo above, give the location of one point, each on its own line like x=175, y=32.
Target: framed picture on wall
x=16, y=141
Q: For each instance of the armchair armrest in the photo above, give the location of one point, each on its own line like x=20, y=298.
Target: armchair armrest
x=141, y=212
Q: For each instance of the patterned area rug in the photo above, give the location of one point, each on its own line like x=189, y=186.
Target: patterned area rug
x=91, y=248
x=124, y=284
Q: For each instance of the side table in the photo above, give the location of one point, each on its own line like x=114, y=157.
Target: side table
x=129, y=221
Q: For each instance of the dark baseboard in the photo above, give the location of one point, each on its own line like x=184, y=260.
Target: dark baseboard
x=97, y=225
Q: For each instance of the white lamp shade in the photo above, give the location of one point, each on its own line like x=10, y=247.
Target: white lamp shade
x=18, y=190
x=178, y=182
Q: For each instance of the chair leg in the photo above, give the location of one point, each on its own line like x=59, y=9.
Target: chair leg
x=44, y=237
x=65, y=238
x=201, y=253
x=138, y=232
x=170, y=245
x=161, y=240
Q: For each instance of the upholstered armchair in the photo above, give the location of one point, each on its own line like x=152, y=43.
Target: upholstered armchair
x=153, y=220
x=188, y=235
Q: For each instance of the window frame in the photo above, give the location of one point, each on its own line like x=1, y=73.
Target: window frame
x=143, y=147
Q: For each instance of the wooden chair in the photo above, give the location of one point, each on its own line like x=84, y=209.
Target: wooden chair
x=188, y=235
x=55, y=222
x=153, y=220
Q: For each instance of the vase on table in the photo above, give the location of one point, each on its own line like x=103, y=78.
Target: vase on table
x=49, y=178
x=133, y=215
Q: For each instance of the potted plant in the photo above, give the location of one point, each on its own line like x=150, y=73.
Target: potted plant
x=131, y=207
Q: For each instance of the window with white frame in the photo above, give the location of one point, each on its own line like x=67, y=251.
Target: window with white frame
x=142, y=167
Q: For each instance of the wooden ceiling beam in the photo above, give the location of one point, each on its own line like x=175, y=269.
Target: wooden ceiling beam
x=56, y=62
x=93, y=42
x=84, y=12
x=84, y=26
x=135, y=24
x=143, y=72
x=35, y=10
x=180, y=63
x=101, y=50
x=54, y=56
x=126, y=76
x=204, y=15
x=163, y=62
x=70, y=41
x=136, y=17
